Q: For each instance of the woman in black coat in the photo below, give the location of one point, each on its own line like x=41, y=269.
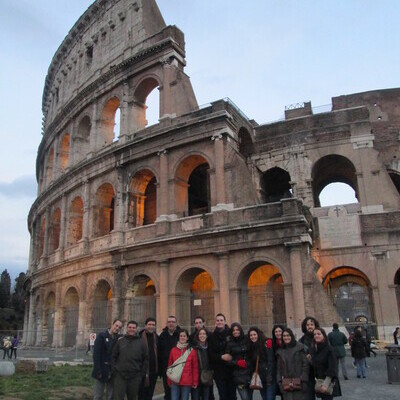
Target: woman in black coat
x=325, y=365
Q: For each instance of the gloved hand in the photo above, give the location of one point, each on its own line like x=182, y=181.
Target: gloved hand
x=241, y=364
x=268, y=343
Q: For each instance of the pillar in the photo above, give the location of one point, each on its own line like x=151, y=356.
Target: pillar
x=31, y=327
x=224, y=285
x=162, y=193
x=63, y=226
x=124, y=109
x=166, y=98
x=94, y=133
x=219, y=169
x=164, y=292
x=86, y=223
x=58, y=333
x=119, y=284
x=81, y=334
x=120, y=201
x=46, y=233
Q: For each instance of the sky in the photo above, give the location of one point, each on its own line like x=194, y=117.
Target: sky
x=262, y=54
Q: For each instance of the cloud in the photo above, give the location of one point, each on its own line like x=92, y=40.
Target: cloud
x=23, y=186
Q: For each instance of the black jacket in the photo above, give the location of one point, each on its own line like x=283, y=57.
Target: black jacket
x=151, y=341
x=237, y=348
x=103, y=347
x=130, y=357
x=359, y=347
x=266, y=361
x=217, y=347
x=165, y=343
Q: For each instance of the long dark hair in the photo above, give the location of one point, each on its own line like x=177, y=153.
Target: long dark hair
x=275, y=345
x=196, y=336
x=323, y=334
x=260, y=344
x=236, y=325
x=292, y=340
x=304, y=324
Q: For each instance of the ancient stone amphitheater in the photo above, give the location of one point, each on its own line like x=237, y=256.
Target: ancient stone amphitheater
x=205, y=211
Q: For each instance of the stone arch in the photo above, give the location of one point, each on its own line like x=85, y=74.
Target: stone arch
x=106, y=133
x=49, y=167
x=82, y=138
x=397, y=285
x=330, y=169
x=63, y=154
x=102, y=307
x=142, y=209
x=42, y=236
x=55, y=230
x=192, y=186
x=142, y=90
x=71, y=316
x=75, y=226
x=246, y=145
x=194, y=295
x=140, y=300
x=351, y=293
x=104, y=210
x=262, y=298
x=48, y=323
x=395, y=177
x=276, y=185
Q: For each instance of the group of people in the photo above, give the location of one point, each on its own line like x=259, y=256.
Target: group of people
x=235, y=361
x=9, y=345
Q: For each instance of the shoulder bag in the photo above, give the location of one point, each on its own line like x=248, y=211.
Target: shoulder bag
x=255, y=382
x=290, y=384
x=174, y=371
x=320, y=382
x=206, y=375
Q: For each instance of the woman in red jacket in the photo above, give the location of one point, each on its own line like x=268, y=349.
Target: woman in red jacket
x=190, y=373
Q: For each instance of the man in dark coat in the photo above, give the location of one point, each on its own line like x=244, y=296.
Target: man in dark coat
x=223, y=373
x=337, y=340
x=150, y=337
x=129, y=363
x=102, y=351
x=168, y=339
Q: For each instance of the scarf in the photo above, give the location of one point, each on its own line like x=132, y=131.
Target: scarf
x=182, y=346
x=144, y=337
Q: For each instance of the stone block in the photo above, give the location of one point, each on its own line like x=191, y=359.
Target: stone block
x=7, y=368
x=32, y=365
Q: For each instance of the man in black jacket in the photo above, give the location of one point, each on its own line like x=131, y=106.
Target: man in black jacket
x=150, y=337
x=103, y=347
x=129, y=364
x=168, y=339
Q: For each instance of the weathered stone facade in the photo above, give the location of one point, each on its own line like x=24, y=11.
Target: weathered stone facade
x=205, y=211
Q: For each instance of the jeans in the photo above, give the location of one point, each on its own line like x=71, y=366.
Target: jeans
x=361, y=367
x=268, y=391
x=167, y=389
x=146, y=393
x=244, y=392
x=202, y=392
x=180, y=392
x=98, y=390
x=226, y=389
x=128, y=387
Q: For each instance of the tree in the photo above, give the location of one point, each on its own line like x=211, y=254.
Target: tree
x=5, y=288
x=18, y=296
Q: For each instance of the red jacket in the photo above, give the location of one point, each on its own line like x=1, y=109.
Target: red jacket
x=190, y=374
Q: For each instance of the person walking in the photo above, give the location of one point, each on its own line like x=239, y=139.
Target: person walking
x=103, y=347
x=325, y=366
x=14, y=346
x=359, y=351
x=292, y=368
x=337, y=340
x=217, y=342
x=167, y=341
x=396, y=335
x=261, y=357
x=190, y=374
x=129, y=364
x=150, y=338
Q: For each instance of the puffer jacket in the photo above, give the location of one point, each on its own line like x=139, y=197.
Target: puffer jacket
x=190, y=374
x=237, y=348
x=359, y=347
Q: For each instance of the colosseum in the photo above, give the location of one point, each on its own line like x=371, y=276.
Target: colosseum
x=205, y=211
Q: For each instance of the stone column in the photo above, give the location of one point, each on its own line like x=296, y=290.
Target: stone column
x=289, y=306
x=224, y=285
x=162, y=195
x=297, y=281
x=31, y=265
x=31, y=328
x=120, y=201
x=81, y=334
x=124, y=109
x=63, y=226
x=58, y=333
x=94, y=132
x=164, y=293
x=117, y=295
x=235, y=304
x=219, y=169
x=55, y=160
x=46, y=234
x=86, y=223
x=165, y=90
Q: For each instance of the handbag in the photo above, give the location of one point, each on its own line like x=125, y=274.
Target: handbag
x=174, y=371
x=206, y=375
x=291, y=384
x=255, y=382
x=320, y=382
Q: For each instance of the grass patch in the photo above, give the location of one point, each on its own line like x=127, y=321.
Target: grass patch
x=39, y=386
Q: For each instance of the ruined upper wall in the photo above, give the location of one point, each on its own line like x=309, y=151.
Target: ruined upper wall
x=109, y=32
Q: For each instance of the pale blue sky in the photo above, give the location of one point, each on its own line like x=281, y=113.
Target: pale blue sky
x=263, y=54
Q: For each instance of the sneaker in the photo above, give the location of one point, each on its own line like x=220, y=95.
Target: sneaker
x=364, y=377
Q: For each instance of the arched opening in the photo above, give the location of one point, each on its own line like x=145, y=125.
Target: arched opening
x=63, y=157
x=55, y=229
x=75, y=221
x=146, y=107
x=351, y=294
x=397, y=283
x=49, y=167
x=108, y=122
x=143, y=199
x=331, y=169
x=140, y=299
x=82, y=139
x=192, y=187
x=336, y=194
x=101, y=318
x=276, y=185
x=262, y=297
x=104, y=210
x=195, y=296
x=42, y=236
x=395, y=177
x=71, y=316
x=49, y=318
x=246, y=146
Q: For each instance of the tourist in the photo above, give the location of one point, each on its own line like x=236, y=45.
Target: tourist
x=167, y=341
x=359, y=351
x=198, y=324
x=103, y=347
x=307, y=326
x=237, y=347
x=292, y=368
x=150, y=337
x=6, y=347
x=396, y=335
x=325, y=366
x=276, y=344
x=219, y=359
x=14, y=346
x=368, y=339
x=337, y=340
x=202, y=392
x=129, y=363
x=262, y=358
x=190, y=374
